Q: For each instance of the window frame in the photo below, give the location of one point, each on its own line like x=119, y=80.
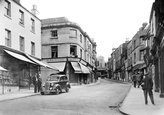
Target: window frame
x=8, y=38
x=32, y=25
x=33, y=48
x=55, y=51
x=71, y=36
x=22, y=43
x=7, y=8
x=21, y=18
x=74, y=47
x=55, y=32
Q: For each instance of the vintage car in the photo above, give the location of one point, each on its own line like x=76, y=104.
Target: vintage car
x=55, y=83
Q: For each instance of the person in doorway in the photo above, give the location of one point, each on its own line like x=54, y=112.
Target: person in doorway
x=147, y=86
x=35, y=82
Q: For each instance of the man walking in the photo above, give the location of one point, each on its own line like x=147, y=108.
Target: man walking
x=147, y=86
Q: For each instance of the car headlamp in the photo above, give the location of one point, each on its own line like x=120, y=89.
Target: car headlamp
x=51, y=84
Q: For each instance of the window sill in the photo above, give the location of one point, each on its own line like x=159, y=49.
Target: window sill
x=72, y=37
x=32, y=31
x=54, y=38
x=7, y=16
x=21, y=24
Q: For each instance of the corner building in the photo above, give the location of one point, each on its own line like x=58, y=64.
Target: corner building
x=68, y=48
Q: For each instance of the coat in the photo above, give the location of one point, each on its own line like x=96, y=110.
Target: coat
x=147, y=84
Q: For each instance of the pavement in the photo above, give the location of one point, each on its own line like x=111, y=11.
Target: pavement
x=134, y=104
x=22, y=93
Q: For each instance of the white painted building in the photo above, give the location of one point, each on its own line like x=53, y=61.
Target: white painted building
x=20, y=45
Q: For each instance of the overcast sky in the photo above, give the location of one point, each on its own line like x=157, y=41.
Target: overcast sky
x=109, y=22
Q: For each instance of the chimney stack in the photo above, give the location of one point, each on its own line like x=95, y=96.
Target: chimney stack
x=34, y=10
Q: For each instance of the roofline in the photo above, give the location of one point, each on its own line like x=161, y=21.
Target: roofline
x=26, y=10
x=67, y=24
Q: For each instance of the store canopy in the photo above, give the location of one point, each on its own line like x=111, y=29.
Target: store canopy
x=2, y=69
x=60, y=66
x=84, y=68
x=18, y=56
x=41, y=63
x=76, y=67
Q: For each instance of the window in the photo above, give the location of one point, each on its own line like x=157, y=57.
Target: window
x=54, y=33
x=81, y=53
x=141, y=41
x=73, y=33
x=73, y=50
x=54, y=52
x=134, y=58
x=21, y=39
x=81, y=38
x=33, y=48
x=141, y=55
x=21, y=18
x=7, y=8
x=134, y=44
x=32, y=25
x=7, y=38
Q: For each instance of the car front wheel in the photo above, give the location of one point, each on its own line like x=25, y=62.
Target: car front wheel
x=67, y=89
x=57, y=90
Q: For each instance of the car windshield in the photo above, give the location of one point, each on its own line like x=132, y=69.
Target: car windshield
x=53, y=78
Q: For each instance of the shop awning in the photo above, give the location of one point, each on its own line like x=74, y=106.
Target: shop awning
x=18, y=56
x=138, y=66
x=2, y=69
x=84, y=68
x=60, y=66
x=41, y=63
x=76, y=67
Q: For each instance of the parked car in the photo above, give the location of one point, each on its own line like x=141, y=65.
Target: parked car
x=55, y=83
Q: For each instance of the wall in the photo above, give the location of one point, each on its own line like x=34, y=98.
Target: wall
x=17, y=30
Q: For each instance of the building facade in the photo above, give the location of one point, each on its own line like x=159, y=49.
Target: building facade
x=67, y=47
x=20, y=45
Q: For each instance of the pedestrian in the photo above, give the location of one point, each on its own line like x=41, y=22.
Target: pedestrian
x=147, y=86
x=138, y=78
x=35, y=82
x=39, y=83
x=134, y=79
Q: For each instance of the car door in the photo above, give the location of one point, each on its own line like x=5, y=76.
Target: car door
x=62, y=82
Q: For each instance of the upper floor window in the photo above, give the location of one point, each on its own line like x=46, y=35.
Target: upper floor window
x=134, y=58
x=7, y=8
x=7, y=37
x=22, y=45
x=81, y=37
x=141, y=55
x=81, y=53
x=21, y=18
x=134, y=44
x=141, y=41
x=32, y=25
x=73, y=50
x=54, y=33
x=33, y=48
x=73, y=33
x=54, y=52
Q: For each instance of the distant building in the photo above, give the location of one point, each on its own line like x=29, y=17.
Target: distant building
x=102, y=66
x=67, y=47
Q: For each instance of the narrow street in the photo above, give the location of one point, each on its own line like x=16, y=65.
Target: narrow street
x=102, y=98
